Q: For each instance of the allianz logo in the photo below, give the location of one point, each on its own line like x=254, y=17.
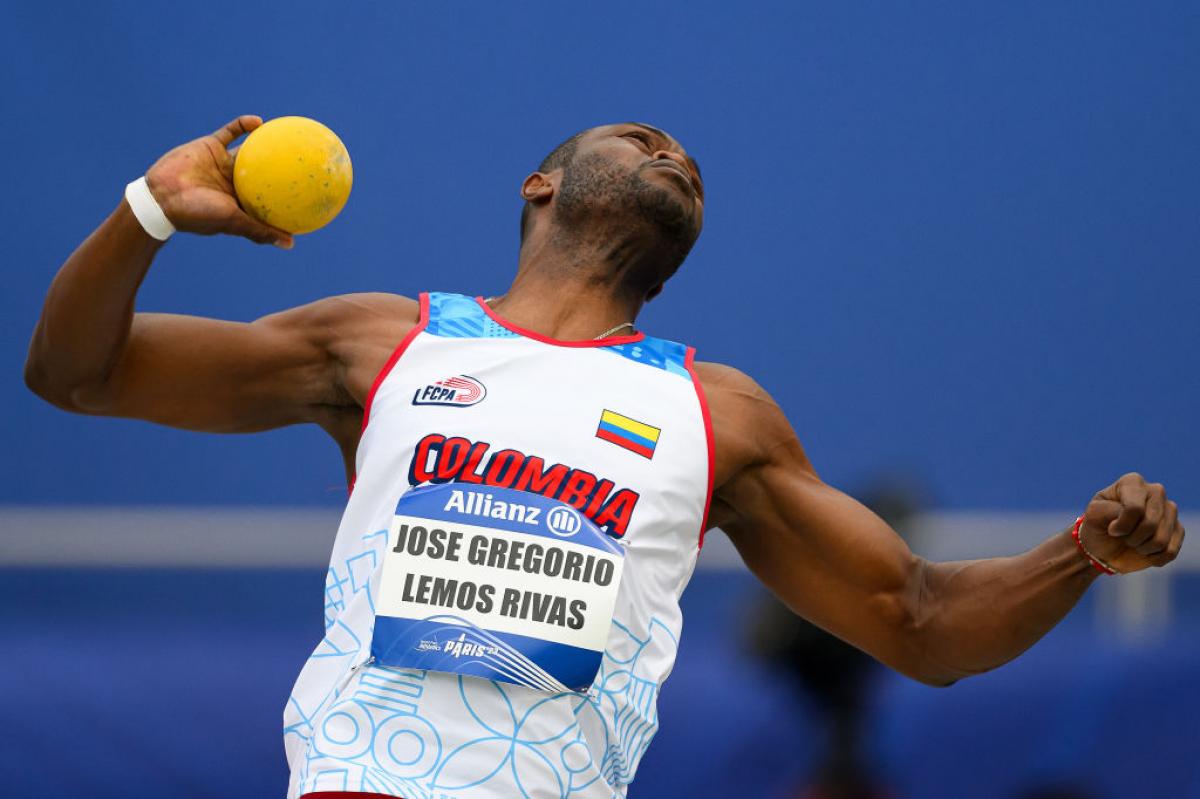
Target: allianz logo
x=563, y=520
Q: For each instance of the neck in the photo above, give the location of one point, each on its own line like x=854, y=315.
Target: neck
x=570, y=291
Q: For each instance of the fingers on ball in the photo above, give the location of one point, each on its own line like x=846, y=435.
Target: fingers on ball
x=244, y=225
x=237, y=127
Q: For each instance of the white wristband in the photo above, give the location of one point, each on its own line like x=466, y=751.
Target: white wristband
x=147, y=210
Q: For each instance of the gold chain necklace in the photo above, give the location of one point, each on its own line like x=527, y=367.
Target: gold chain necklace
x=612, y=330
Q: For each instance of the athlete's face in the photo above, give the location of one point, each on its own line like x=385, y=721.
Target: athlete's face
x=630, y=174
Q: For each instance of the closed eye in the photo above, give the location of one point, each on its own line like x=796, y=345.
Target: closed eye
x=642, y=137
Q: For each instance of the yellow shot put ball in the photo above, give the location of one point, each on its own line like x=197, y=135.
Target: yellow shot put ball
x=293, y=173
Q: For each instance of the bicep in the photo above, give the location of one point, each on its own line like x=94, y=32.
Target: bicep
x=217, y=376
x=825, y=555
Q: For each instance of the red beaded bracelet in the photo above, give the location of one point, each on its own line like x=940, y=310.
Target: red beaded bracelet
x=1099, y=564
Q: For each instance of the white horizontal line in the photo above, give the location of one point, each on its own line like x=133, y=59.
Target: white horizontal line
x=264, y=537
x=166, y=536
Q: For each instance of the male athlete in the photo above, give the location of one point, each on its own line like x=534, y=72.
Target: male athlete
x=464, y=396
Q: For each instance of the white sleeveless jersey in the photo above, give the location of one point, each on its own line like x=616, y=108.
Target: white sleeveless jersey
x=619, y=429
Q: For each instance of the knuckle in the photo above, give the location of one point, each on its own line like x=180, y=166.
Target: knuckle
x=1133, y=477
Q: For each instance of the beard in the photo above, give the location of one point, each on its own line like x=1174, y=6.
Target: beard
x=598, y=198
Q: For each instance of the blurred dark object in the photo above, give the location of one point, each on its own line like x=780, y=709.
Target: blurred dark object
x=833, y=674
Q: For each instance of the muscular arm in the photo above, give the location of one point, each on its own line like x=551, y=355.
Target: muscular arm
x=834, y=562
x=91, y=353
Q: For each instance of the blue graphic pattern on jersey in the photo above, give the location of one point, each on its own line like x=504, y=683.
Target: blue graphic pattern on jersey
x=459, y=316
x=670, y=356
x=340, y=640
x=353, y=746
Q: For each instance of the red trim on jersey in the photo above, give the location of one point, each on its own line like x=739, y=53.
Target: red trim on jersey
x=600, y=342
x=689, y=362
x=422, y=322
x=613, y=438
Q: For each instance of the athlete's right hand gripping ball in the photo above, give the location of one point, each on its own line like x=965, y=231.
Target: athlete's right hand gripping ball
x=193, y=184
x=293, y=173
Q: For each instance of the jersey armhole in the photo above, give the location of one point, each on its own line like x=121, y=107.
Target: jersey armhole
x=422, y=323
x=689, y=364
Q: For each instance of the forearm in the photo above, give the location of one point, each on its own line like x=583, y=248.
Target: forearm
x=837, y=564
x=976, y=615
x=89, y=309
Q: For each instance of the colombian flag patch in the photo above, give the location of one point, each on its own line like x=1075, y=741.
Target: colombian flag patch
x=629, y=433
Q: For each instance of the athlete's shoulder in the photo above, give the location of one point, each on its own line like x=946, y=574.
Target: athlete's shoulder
x=368, y=305
x=747, y=422
x=728, y=383
x=348, y=315
x=734, y=398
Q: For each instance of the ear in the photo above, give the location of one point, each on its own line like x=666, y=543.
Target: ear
x=538, y=188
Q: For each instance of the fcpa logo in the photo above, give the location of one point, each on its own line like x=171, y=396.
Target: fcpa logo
x=563, y=521
x=458, y=391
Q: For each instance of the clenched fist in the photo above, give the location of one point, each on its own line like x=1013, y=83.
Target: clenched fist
x=194, y=186
x=1131, y=525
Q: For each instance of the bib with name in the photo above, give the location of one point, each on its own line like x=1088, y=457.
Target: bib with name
x=496, y=583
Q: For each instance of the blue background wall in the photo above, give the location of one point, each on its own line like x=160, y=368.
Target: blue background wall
x=955, y=238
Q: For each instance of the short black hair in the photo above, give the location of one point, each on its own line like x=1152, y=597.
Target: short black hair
x=558, y=158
